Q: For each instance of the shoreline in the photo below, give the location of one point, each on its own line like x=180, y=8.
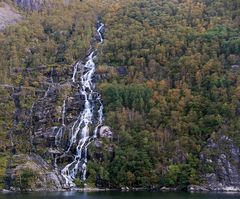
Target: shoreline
x=124, y=189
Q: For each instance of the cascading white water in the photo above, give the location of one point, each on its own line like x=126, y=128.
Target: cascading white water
x=80, y=135
x=99, y=32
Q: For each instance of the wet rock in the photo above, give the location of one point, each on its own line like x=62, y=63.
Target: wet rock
x=97, y=37
x=54, y=151
x=196, y=188
x=167, y=189
x=5, y=191
x=14, y=189
x=102, y=31
x=125, y=188
x=222, y=157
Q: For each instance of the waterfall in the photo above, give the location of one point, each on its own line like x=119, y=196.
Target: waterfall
x=99, y=32
x=81, y=135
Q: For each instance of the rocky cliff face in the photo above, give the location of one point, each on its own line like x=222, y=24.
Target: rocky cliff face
x=8, y=16
x=31, y=4
x=223, y=157
x=40, y=168
x=220, y=161
x=36, y=5
x=33, y=172
x=46, y=130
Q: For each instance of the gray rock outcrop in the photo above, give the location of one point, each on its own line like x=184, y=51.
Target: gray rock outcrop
x=105, y=132
x=8, y=16
x=221, y=165
x=45, y=176
x=31, y=4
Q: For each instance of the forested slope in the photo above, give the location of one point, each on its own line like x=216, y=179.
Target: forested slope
x=168, y=72
x=178, y=84
x=52, y=39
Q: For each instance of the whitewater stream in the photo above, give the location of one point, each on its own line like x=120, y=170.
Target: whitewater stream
x=81, y=133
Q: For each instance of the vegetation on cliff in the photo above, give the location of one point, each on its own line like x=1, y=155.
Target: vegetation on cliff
x=181, y=86
x=169, y=79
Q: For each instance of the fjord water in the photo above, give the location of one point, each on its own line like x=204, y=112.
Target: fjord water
x=120, y=195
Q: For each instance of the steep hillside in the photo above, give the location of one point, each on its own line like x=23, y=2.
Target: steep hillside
x=37, y=54
x=38, y=5
x=168, y=72
x=172, y=86
x=8, y=16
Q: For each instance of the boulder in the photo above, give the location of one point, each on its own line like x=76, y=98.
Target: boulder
x=167, y=189
x=197, y=188
x=105, y=132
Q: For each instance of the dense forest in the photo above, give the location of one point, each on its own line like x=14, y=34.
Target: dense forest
x=168, y=73
x=180, y=88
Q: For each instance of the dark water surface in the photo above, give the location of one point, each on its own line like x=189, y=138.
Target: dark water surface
x=119, y=195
